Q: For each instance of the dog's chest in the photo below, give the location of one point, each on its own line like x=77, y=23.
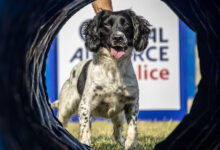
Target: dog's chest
x=112, y=90
x=107, y=103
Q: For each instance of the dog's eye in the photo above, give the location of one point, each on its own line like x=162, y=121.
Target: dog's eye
x=126, y=25
x=107, y=25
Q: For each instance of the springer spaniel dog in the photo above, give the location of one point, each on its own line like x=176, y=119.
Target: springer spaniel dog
x=106, y=86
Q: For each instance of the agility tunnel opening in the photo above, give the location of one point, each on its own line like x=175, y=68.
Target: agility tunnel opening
x=27, y=29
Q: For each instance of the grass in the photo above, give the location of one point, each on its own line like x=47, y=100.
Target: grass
x=149, y=134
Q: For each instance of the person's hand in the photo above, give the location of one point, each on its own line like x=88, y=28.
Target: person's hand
x=100, y=5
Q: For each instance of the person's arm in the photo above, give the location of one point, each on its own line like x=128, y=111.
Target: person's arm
x=100, y=5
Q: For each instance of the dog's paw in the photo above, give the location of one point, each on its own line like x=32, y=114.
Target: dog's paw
x=121, y=140
x=130, y=145
x=86, y=141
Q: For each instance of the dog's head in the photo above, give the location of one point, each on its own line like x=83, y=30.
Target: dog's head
x=117, y=31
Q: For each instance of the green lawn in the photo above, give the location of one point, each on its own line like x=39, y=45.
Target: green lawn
x=149, y=133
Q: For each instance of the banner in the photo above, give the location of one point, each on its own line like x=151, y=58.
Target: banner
x=158, y=68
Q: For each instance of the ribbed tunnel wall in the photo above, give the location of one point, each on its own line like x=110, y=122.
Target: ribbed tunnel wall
x=27, y=29
x=200, y=129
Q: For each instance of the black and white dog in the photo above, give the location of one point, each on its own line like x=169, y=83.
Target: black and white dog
x=106, y=86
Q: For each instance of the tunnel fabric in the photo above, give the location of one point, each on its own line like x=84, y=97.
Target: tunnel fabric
x=27, y=29
x=199, y=130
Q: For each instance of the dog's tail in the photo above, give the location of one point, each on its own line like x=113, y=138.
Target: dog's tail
x=55, y=105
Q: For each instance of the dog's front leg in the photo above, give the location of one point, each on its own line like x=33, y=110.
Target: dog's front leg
x=84, y=120
x=131, y=112
x=118, y=121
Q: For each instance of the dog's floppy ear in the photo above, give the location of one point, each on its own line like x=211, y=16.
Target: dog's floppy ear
x=141, y=31
x=92, y=38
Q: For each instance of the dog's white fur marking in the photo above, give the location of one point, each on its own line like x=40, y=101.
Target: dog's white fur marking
x=111, y=89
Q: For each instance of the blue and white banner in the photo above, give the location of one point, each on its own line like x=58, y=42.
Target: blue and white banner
x=160, y=68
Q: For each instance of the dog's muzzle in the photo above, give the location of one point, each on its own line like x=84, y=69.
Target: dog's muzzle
x=118, y=44
x=118, y=38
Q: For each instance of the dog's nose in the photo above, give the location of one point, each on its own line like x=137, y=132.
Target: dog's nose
x=117, y=38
